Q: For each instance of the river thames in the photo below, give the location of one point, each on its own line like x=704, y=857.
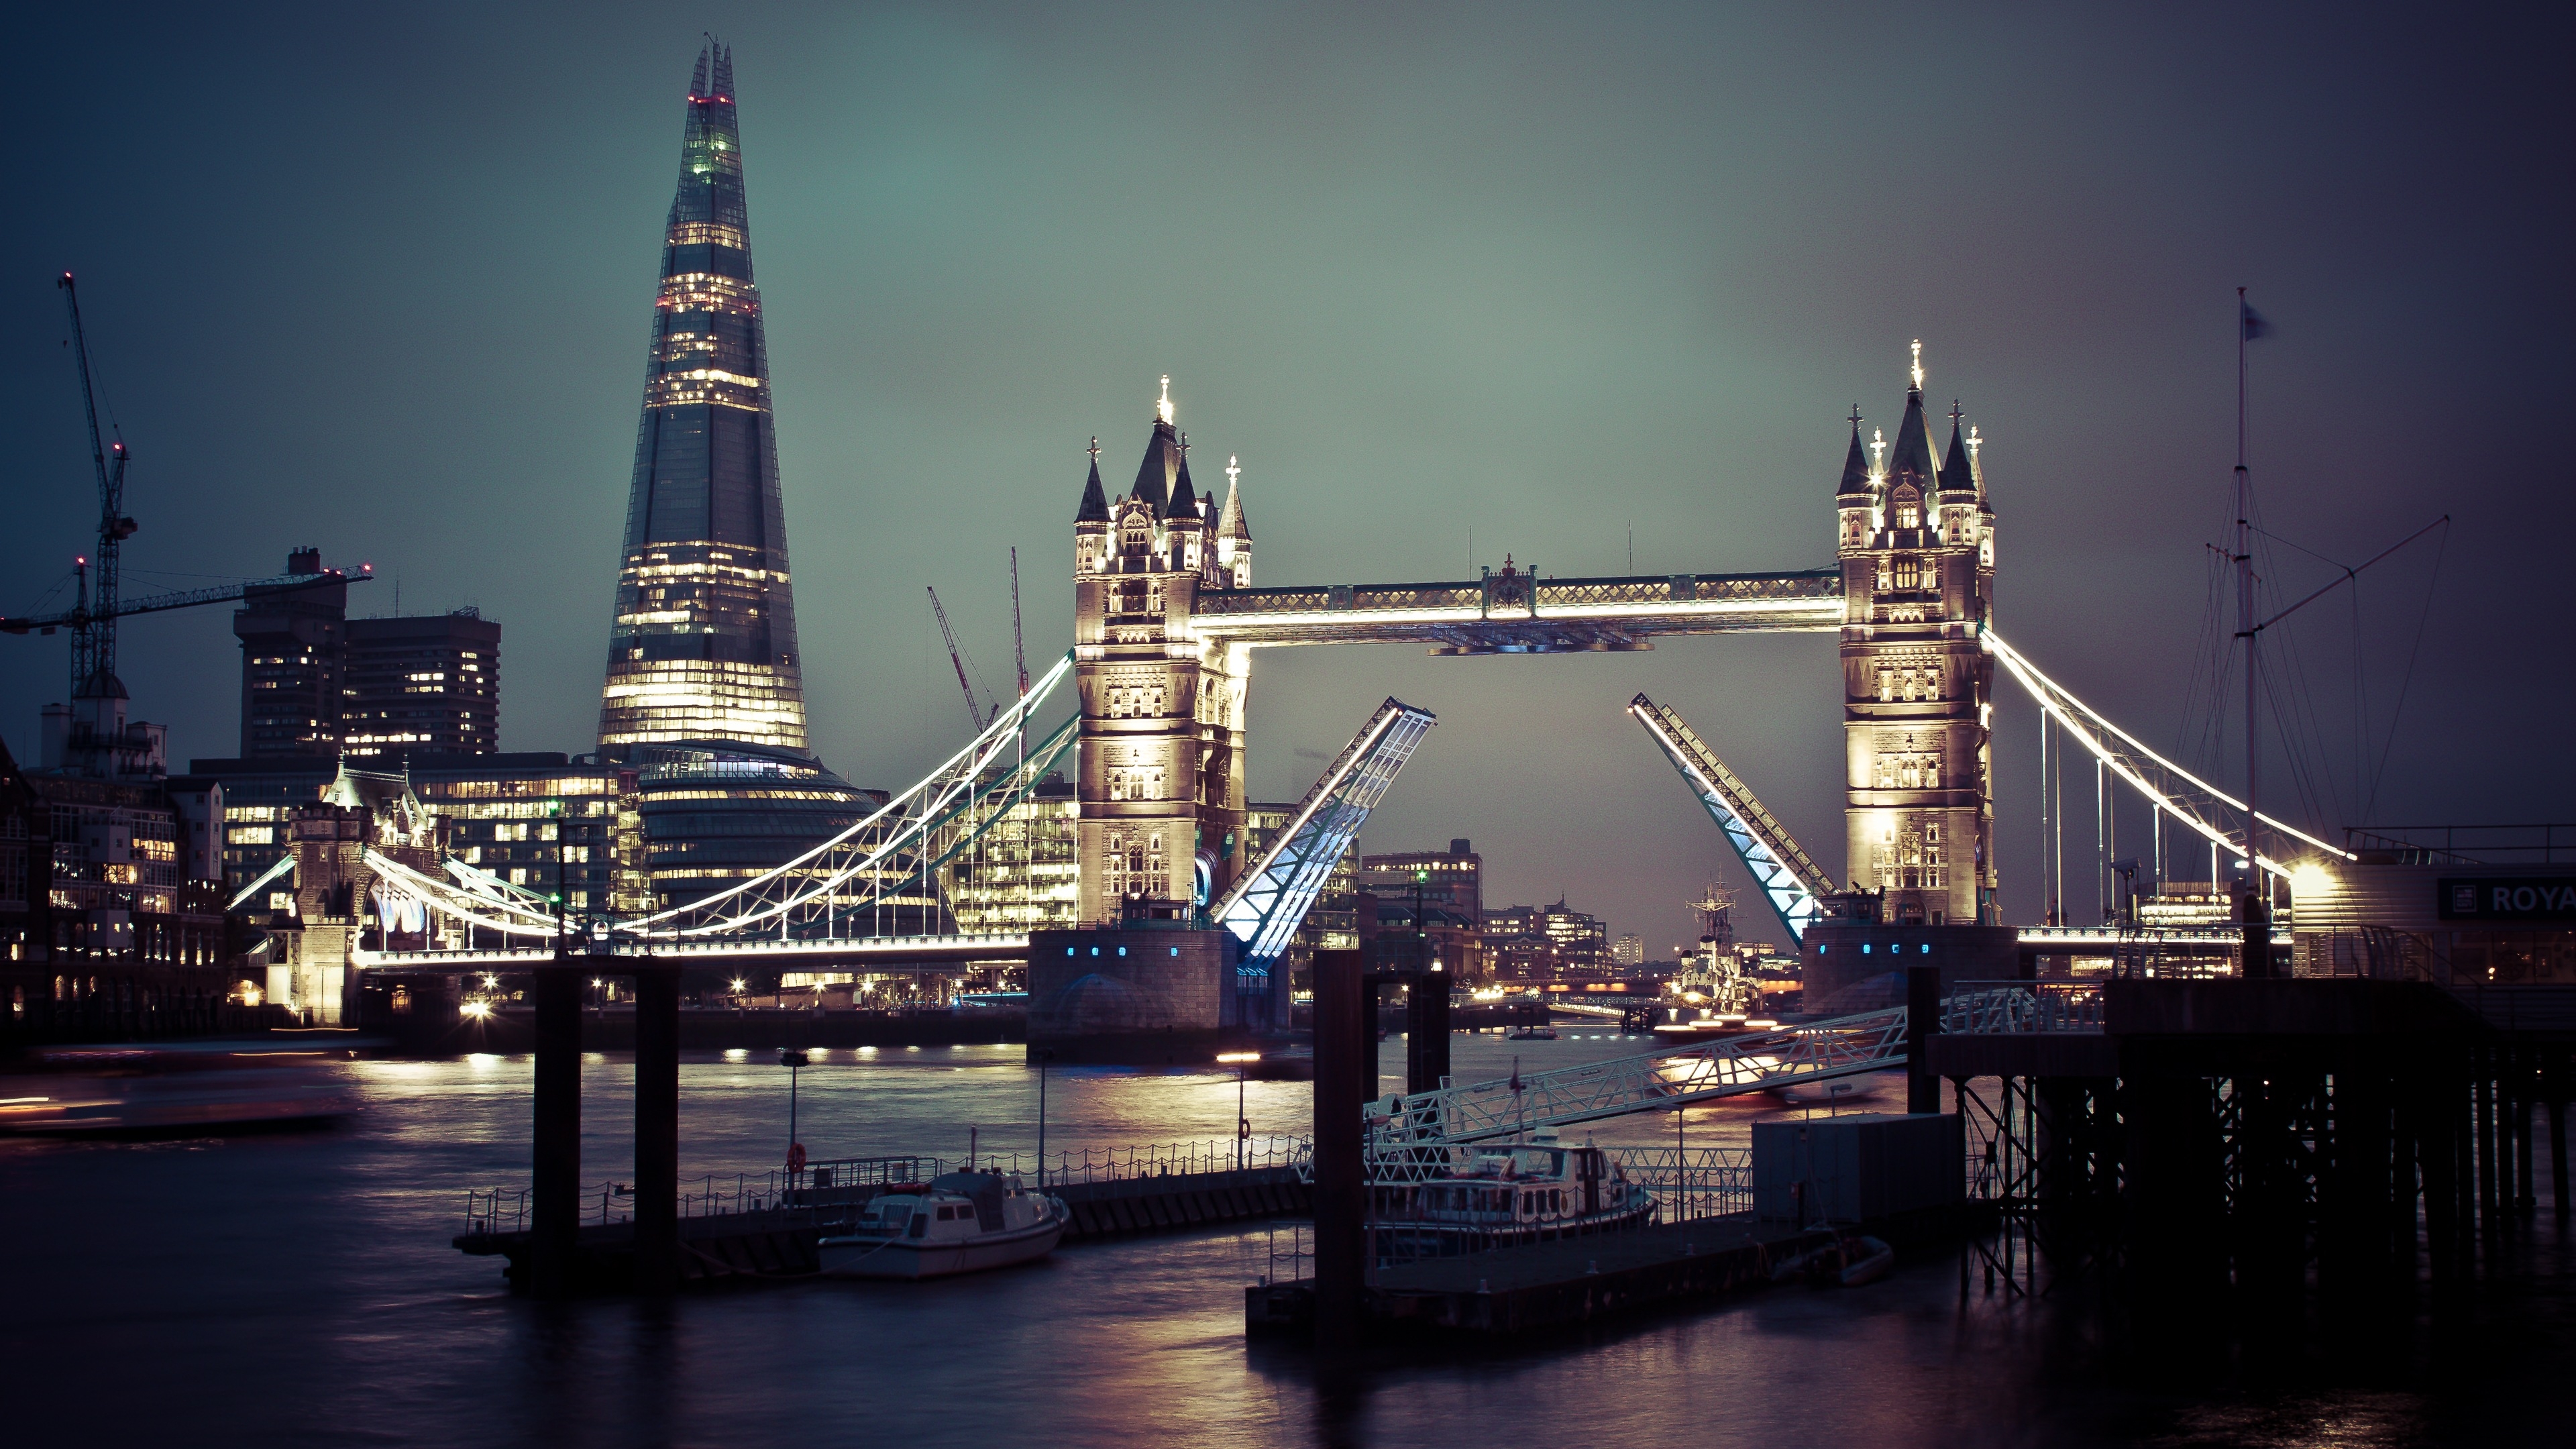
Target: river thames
x=300, y=1288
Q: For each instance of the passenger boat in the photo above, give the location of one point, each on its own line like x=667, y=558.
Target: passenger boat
x=959, y=1222
x=1505, y=1194
x=173, y=1091
x=1531, y=1033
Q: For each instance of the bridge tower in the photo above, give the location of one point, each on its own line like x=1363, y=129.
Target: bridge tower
x=1917, y=544
x=1161, y=774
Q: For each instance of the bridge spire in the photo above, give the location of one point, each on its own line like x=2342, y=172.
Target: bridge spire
x=1161, y=465
x=1856, y=466
x=1185, y=498
x=1095, y=503
x=1231, y=524
x=1913, y=452
x=1958, y=472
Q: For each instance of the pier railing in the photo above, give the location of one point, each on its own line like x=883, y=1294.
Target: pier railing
x=830, y=1186
x=1705, y=1182
x=1978, y=1008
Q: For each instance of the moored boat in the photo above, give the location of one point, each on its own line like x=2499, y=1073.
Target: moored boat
x=1502, y=1194
x=959, y=1222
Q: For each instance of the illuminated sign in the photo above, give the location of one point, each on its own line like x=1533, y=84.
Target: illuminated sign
x=2507, y=898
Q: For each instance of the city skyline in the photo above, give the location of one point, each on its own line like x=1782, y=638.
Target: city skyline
x=1612, y=370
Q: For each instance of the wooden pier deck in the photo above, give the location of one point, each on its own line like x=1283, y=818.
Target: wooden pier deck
x=1578, y=1280
x=779, y=1244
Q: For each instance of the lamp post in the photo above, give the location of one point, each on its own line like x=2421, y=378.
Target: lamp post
x=1242, y=1061
x=792, y=1059
x=1043, y=1057
x=1681, y=1168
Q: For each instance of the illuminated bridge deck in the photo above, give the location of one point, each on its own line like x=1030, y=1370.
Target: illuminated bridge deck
x=1525, y=614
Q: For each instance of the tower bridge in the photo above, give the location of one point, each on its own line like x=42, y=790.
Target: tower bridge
x=1158, y=679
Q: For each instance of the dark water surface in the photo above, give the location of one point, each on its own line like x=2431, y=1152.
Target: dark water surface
x=299, y=1288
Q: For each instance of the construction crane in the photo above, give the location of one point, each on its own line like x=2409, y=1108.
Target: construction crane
x=84, y=614
x=1019, y=650
x=94, y=630
x=1791, y=881
x=974, y=711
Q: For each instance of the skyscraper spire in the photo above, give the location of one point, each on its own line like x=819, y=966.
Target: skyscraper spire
x=703, y=646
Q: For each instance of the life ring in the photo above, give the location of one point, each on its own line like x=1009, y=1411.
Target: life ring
x=795, y=1157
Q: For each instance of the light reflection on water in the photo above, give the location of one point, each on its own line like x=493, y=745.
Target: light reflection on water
x=300, y=1288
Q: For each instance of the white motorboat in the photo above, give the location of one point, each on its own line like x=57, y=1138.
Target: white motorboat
x=960, y=1222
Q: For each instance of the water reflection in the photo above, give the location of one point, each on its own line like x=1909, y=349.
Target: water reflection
x=302, y=1288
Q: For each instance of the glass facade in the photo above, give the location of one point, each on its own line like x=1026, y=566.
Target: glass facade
x=714, y=816
x=704, y=642
x=1023, y=873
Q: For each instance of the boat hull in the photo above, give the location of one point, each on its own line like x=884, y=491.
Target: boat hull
x=915, y=1258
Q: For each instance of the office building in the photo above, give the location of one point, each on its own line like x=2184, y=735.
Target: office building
x=1452, y=878
x=292, y=643
x=428, y=685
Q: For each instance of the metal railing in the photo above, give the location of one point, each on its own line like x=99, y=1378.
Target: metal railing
x=832, y=1184
x=1706, y=1182
x=1986, y=1008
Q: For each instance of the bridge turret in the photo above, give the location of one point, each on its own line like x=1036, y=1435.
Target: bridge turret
x=1917, y=584
x=1161, y=773
x=1856, y=499
x=1091, y=522
x=1233, y=535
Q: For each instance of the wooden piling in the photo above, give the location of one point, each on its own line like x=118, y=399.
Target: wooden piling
x=555, y=1178
x=1342, y=1040
x=657, y=1128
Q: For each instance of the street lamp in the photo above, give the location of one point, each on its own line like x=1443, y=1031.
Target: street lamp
x=792, y=1059
x=1043, y=1057
x=1242, y=1124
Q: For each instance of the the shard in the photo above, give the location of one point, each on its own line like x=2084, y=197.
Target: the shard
x=704, y=644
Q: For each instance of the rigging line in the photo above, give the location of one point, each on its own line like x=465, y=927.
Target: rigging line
x=2360, y=702
x=2303, y=548
x=2381, y=774
x=2294, y=759
x=2303, y=697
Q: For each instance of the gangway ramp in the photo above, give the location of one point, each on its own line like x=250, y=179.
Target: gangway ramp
x=1731, y=1066
x=1790, y=879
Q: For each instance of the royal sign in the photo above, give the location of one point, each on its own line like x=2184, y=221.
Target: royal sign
x=2508, y=898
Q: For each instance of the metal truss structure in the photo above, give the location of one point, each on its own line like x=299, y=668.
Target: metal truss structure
x=823, y=900
x=1516, y=613
x=2206, y=810
x=1268, y=902
x=1755, y=1062
x=1790, y=879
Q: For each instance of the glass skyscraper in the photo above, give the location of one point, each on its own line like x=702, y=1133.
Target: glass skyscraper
x=704, y=644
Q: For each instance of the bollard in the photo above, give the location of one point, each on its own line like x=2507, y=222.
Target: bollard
x=1922, y=1021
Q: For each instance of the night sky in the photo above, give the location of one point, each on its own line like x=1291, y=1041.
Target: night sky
x=1597, y=284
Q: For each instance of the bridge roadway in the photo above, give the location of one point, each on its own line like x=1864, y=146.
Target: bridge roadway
x=885, y=953
x=1519, y=613
x=843, y=953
